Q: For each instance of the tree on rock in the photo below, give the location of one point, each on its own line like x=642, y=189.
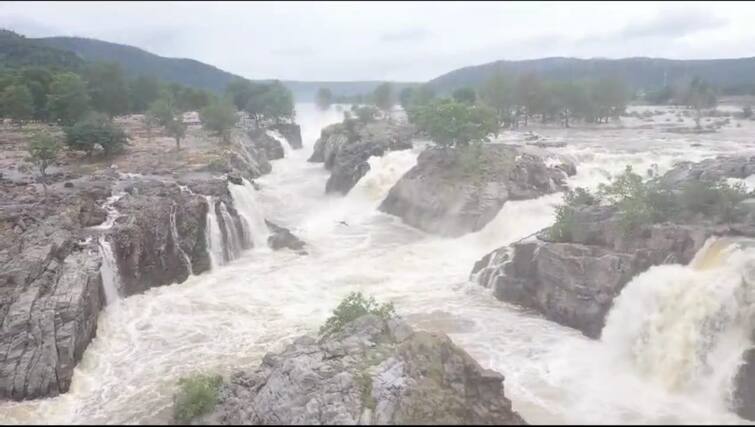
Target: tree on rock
x=383, y=97
x=17, y=103
x=68, y=100
x=43, y=150
x=324, y=98
x=274, y=102
x=96, y=129
x=220, y=117
x=452, y=124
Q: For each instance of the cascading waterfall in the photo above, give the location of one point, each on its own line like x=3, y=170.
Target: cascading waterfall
x=686, y=327
x=283, y=141
x=233, y=243
x=109, y=271
x=245, y=201
x=177, y=240
x=213, y=235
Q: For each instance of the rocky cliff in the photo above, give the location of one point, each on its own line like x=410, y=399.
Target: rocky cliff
x=455, y=191
x=344, y=148
x=371, y=372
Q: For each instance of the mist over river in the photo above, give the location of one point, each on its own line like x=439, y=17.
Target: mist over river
x=227, y=319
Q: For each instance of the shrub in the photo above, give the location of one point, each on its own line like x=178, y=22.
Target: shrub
x=93, y=130
x=563, y=229
x=712, y=199
x=352, y=307
x=365, y=114
x=196, y=396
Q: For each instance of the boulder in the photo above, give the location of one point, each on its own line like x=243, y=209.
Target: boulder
x=455, y=191
x=292, y=133
x=371, y=372
x=270, y=146
x=345, y=148
x=282, y=237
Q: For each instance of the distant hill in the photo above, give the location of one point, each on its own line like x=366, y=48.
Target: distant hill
x=136, y=61
x=638, y=73
x=306, y=91
x=19, y=51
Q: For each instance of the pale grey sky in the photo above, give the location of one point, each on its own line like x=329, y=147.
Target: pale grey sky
x=403, y=41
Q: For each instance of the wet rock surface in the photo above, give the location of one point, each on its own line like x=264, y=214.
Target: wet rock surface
x=371, y=372
x=455, y=191
x=282, y=238
x=344, y=148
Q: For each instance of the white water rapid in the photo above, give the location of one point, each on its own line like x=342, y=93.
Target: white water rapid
x=229, y=318
x=177, y=240
x=249, y=208
x=213, y=235
x=111, y=282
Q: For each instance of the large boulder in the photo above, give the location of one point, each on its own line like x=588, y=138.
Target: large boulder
x=455, y=191
x=270, y=146
x=371, y=372
x=282, y=237
x=345, y=148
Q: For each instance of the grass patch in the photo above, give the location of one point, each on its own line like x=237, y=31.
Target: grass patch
x=197, y=395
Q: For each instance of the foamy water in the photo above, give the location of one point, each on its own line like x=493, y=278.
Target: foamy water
x=229, y=318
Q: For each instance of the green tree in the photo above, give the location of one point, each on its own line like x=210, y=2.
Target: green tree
x=242, y=90
x=107, y=88
x=324, y=98
x=450, y=123
x=498, y=94
x=68, y=100
x=177, y=129
x=163, y=111
x=383, y=97
x=17, y=103
x=143, y=91
x=700, y=95
x=38, y=80
x=96, y=129
x=529, y=95
x=465, y=95
x=220, y=117
x=43, y=150
x=610, y=98
x=275, y=103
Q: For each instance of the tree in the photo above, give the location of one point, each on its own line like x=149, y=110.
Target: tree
x=405, y=97
x=107, y=88
x=241, y=92
x=143, y=91
x=220, y=117
x=498, y=94
x=38, y=80
x=95, y=129
x=163, y=111
x=274, y=103
x=68, y=100
x=177, y=129
x=383, y=97
x=17, y=103
x=43, y=149
x=610, y=98
x=700, y=95
x=324, y=98
x=529, y=95
x=450, y=123
x=150, y=121
x=465, y=95
x=365, y=113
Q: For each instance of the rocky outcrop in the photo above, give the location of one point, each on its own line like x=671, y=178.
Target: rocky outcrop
x=292, y=133
x=50, y=295
x=574, y=282
x=270, y=146
x=371, y=372
x=455, y=191
x=344, y=148
x=282, y=237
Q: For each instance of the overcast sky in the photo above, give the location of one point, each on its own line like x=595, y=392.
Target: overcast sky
x=400, y=41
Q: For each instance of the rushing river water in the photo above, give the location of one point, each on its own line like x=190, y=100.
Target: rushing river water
x=229, y=318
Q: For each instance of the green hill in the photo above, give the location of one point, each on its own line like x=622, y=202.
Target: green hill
x=18, y=51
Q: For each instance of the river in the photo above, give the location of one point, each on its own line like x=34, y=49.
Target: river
x=227, y=319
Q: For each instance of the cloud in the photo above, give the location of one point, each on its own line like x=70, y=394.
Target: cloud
x=674, y=24
x=410, y=34
x=293, y=51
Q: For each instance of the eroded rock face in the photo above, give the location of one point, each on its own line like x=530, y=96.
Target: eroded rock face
x=372, y=372
x=270, y=146
x=455, y=191
x=50, y=294
x=344, y=148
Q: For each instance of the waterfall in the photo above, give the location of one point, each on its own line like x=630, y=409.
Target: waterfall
x=213, y=235
x=283, y=141
x=249, y=209
x=109, y=271
x=177, y=241
x=233, y=244
x=686, y=327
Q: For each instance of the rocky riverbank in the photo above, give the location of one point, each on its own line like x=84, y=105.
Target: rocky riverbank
x=455, y=191
x=147, y=208
x=372, y=371
x=344, y=149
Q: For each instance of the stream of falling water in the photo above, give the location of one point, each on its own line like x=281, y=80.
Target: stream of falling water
x=229, y=318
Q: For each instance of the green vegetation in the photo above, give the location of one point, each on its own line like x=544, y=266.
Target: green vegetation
x=68, y=100
x=324, y=98
x=450, y=123
x=197, y=395
x=383, y=97
x=17, y=103
x=465, y=95
x=271, y=102
x=642, y=203
x=43, y=150
x=107, y=88
x=219, y=117
x=96, y=129
x=352, y=307
x=365, y=113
